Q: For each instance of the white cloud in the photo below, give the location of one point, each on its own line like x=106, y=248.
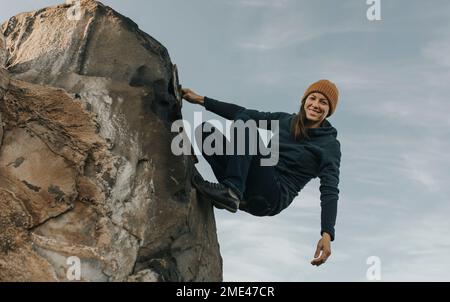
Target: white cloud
x=387, y=158
x=418, y=251
x=291, y=25
x=419, y=99
x=278, y=34
x=428, y=111
x=266, y=248
x=427, y=166
x=351, y=76
x=438, y=51
x=261, y=3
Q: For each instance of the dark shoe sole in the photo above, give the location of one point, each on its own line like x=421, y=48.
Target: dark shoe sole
x=222, y=206
x=218, y=204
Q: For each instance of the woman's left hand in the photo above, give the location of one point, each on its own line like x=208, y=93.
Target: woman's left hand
x=323, y=250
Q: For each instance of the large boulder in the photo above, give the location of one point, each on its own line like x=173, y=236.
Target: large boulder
x=86, y=168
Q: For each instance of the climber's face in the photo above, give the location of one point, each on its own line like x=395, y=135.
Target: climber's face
x=316, y=107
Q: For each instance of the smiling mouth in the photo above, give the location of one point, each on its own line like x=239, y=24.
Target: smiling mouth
x=315, y=112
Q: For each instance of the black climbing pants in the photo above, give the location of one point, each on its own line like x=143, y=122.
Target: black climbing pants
x=258, y=186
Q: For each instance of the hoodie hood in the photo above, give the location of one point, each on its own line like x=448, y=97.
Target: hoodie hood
x=326, y=130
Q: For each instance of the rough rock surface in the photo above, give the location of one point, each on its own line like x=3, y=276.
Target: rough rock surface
x=2, y=50
x=86, y=168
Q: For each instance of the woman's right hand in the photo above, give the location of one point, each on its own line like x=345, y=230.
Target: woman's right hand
x=192, y=97
x=323, y=250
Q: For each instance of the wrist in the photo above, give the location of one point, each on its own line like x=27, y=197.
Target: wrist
x=201, y=100
x=326, y=236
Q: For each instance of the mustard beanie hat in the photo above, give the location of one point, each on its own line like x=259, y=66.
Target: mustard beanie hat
x=328, y=89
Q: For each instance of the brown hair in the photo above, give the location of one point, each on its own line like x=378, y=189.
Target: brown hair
x=298, y=128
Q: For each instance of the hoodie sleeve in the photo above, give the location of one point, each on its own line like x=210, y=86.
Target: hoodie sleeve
x=225, y=110
x=231, y=111
x=329, y=191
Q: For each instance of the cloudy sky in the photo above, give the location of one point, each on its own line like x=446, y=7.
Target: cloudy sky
x=392, y=122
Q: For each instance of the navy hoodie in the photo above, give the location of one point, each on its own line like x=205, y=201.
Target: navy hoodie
x=299, y=160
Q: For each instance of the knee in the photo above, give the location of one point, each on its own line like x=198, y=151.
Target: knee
x=257, y=206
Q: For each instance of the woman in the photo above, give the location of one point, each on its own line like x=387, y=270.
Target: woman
x=308, y=148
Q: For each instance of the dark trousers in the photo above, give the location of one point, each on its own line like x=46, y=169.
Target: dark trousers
x=257, y=186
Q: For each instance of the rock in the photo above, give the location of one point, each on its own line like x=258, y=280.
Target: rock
x=4, y=79
x=2, y=50
x=86, y=168
x=144, y=276
x=1, y=130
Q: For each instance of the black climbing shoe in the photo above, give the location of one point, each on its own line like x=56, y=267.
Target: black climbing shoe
x=221, y=196
x=196, y=179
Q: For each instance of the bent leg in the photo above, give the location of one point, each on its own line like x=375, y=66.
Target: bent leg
x=238, y=166
x=242, y=173
x=262, y=194
x=217, y=162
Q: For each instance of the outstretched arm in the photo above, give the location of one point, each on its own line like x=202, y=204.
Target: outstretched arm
x=329, y=191
x=225, y=110
x=329, y=180
x=229, y=110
